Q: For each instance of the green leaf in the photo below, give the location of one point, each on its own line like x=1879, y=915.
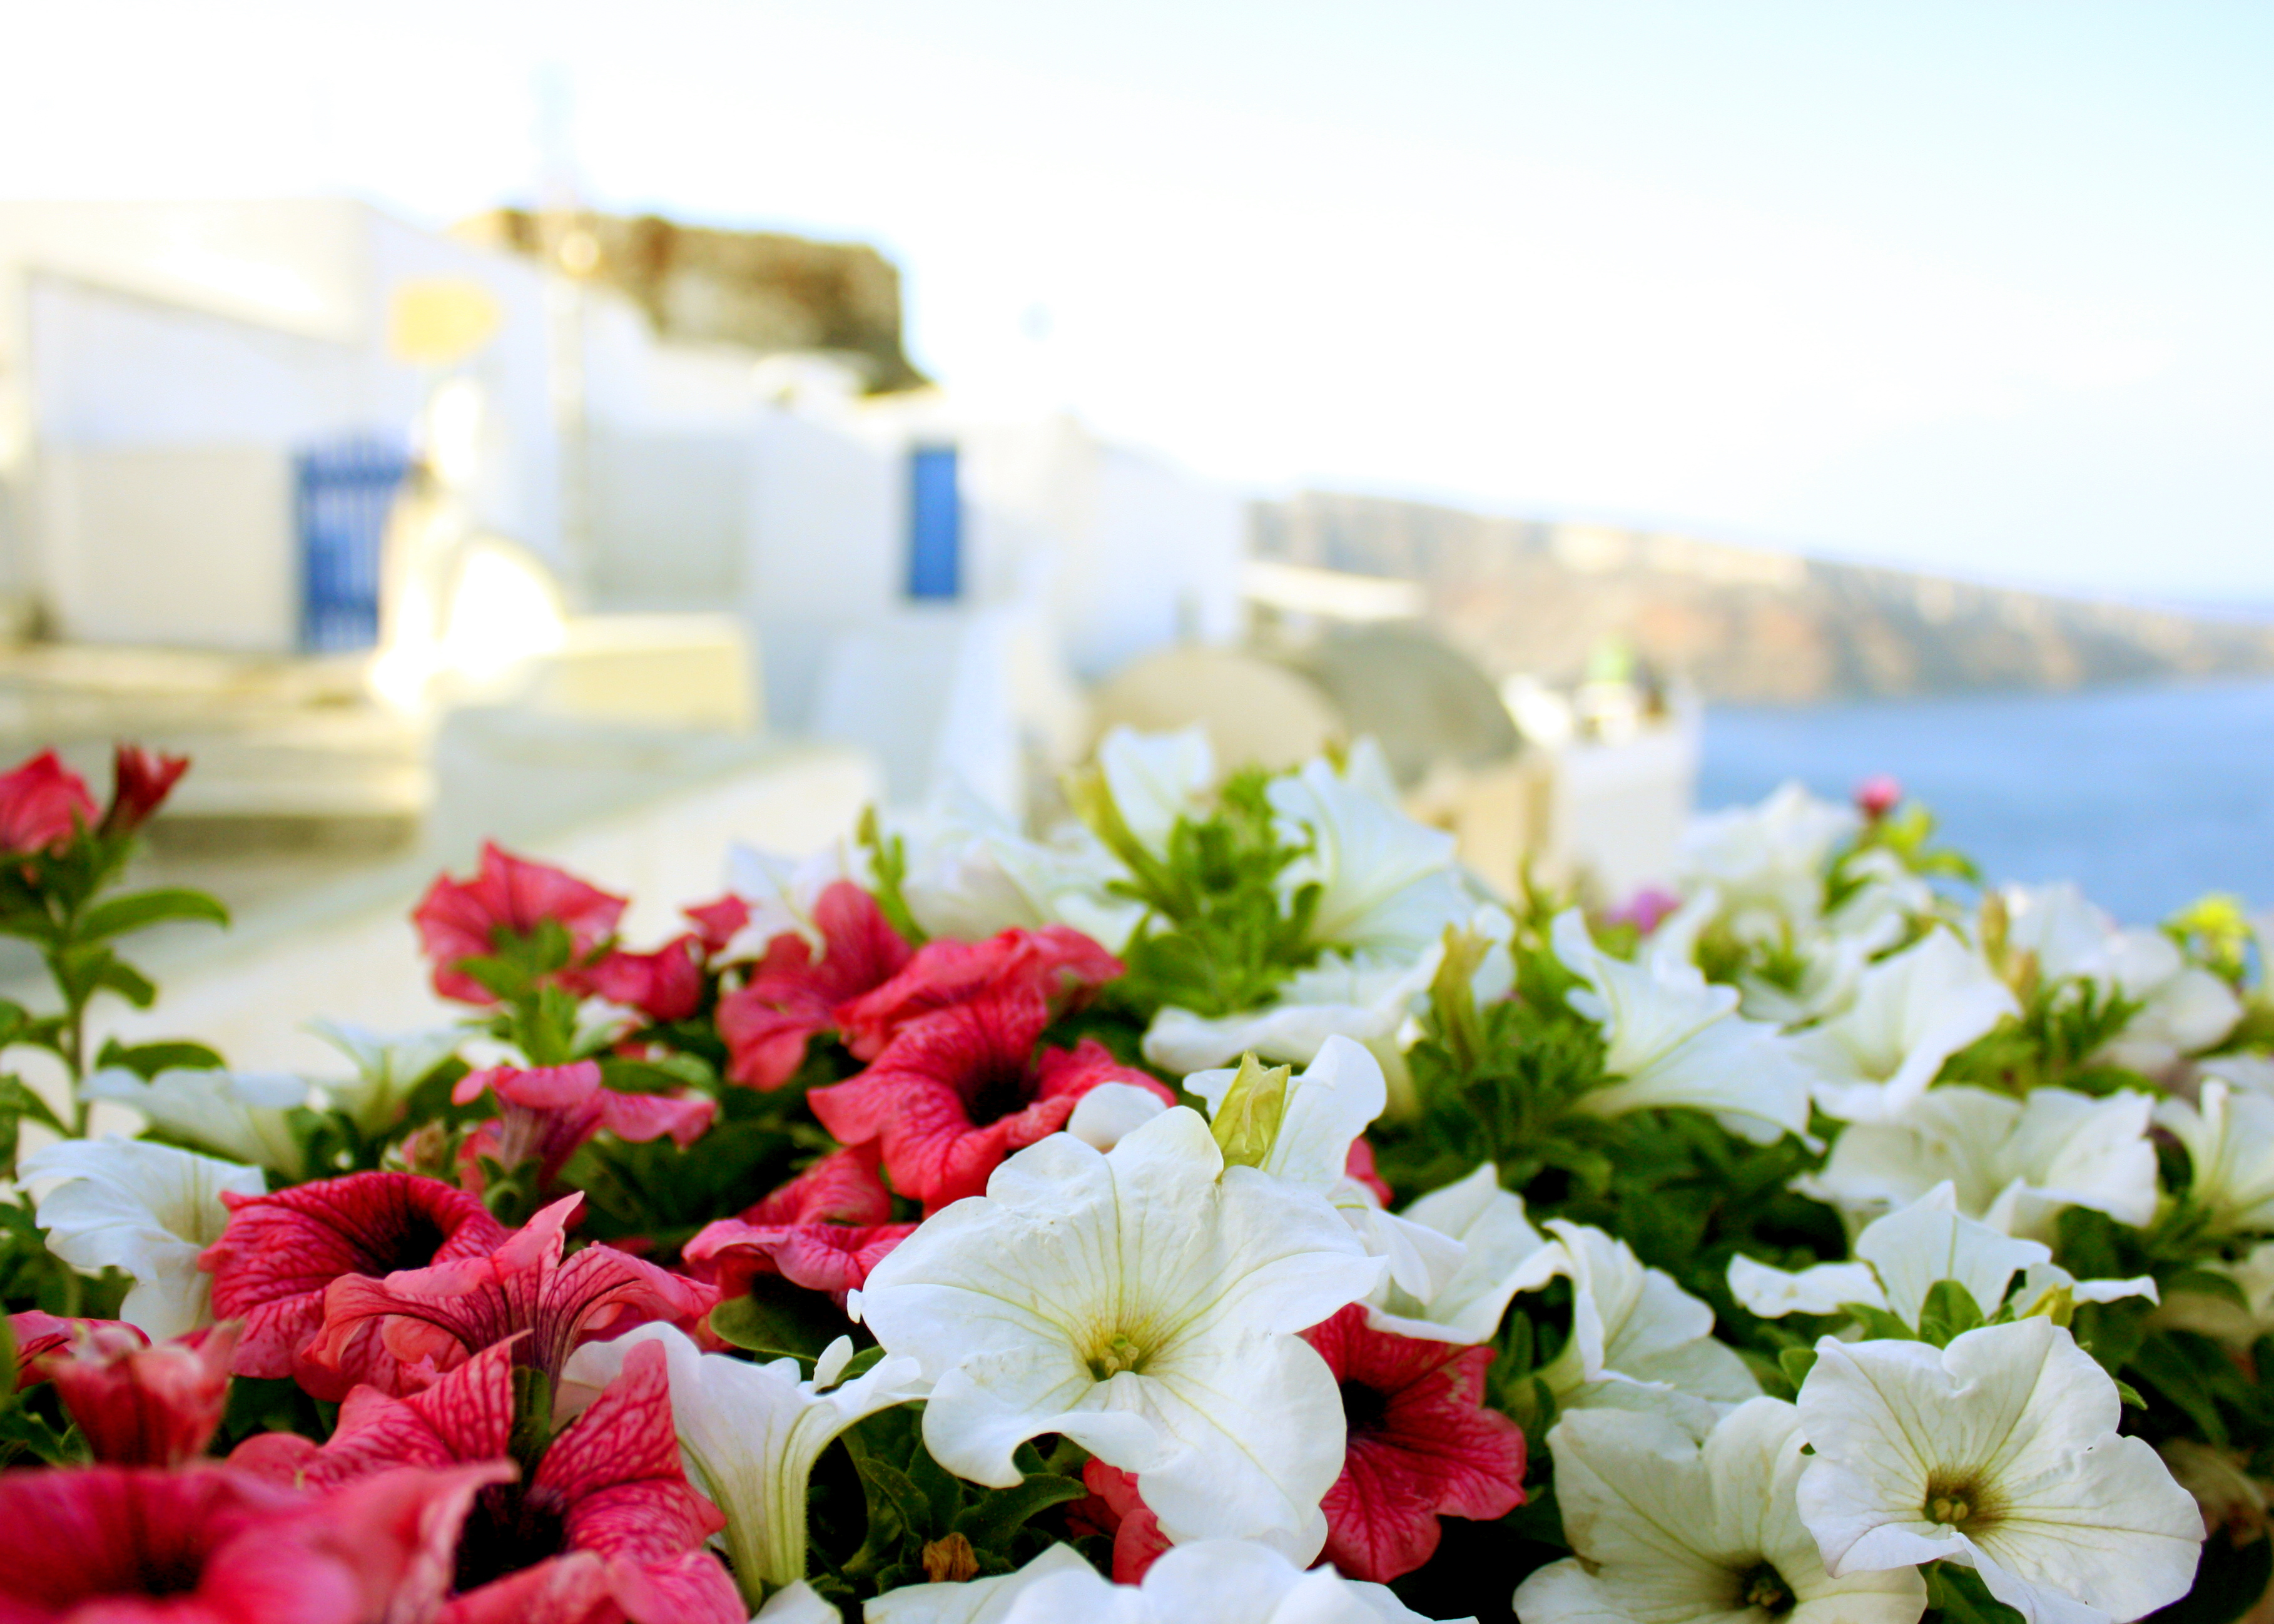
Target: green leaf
x=1002, y=1512
x=2207, y=1282
x=19, y=1099
x=777, y=1319
x=143, y=909
x=1959, y=1594
x=128, y=982
x=1797, y=1363
x=887, y=1484
x=146, y=1060
x=1948, y=1312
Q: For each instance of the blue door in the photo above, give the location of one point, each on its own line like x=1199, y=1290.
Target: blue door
x=342, y=496
x=935, y=523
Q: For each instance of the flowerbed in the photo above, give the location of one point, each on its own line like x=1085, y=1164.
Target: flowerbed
x=1221, y=1210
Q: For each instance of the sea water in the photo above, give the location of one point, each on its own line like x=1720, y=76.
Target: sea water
x=2148, y=797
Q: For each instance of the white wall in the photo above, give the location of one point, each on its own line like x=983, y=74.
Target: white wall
x=826, y=548
x=188, y=546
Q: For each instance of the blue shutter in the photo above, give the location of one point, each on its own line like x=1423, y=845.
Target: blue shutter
x=935, y=523
x=342, y=496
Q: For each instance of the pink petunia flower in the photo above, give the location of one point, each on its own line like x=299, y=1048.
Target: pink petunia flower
x=791, y=995
x=139, y=1405
x=665, y=985
x=1358, y=1165
x=1421, y=1444
x=605, y=1529
x=1114, y=1508
x=272, y=1264
x=545, y=1113
x=1057, y=962
x=1878, y=795
x=42, y=805
x=36, y=1334
x=139, y=783
x=717, y=923
x=110, y=1545
x=960, y=1089
x=1645, y=910
x=824, y=1231
x=459, y=919
x=432, y=1320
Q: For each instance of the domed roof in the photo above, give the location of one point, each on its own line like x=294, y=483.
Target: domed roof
x=1255, y=712
x=1423, y=702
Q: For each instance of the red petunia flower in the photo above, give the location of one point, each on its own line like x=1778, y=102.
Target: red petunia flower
x=665, y=985
x=960, y=1089
x=1114, y=1508
x=36, y=1334
x=791, y=995
x=1358, y=1165
x=717, y=923
x=272, y=1264
x=109, y=1545
x=1057, y=962
x=433, y=1319
x=136, y=1405
x=606, y=1530
x=1422, y=1445
x=42, y=805
x=545, y=1113
x=823, y=1230
x=139, y=784
x=459, y=919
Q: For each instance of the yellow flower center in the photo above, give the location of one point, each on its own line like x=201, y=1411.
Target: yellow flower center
x=1116, y=1353
x=1958, y=1500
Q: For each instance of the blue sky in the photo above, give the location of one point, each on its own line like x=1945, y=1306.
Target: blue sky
x=1976, y=286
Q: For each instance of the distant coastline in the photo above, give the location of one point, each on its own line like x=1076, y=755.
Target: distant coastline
x=1746, y=625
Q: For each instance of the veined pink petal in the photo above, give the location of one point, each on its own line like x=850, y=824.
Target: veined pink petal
x=1422, y=1445
x=459, y=919
x=35, y=1334
x=791, y=995
x=280, y=1253
x=139, y=1405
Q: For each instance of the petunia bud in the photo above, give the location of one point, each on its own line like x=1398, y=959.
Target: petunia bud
x=146, y=1406
x=44, y=804
x=1877, y=795
x=140, y=782
x=1248, y=1123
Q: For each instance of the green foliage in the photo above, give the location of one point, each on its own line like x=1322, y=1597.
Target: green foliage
x=1219, y=935
x=2064, y=1024
x=870, y=1535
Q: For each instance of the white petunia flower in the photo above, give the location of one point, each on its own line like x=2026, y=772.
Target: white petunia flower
x=388, y=1067
x=243, y=1115
x=1664, y=1529
x=1911, y=1012
x=1155, y=778
x=1901, y=1257
x=2015, y=1163
x=2230, y=1144
x=1505, y=1255
x=1364, y=999
x=1324, y=1110
x=2216, y=1317
x=1673, y=1039
x=1825, y=970
x=2184, y=1008
x=1767, y=861
x=1638, y=1341
x=1208, y=1581
x=780, y=892
x=800, y=1603
x=2000, y=1453
x=1388, y=884
x=1143, y=1302
x=751, y=1434
x=971, y=873
x=1110, y=1112
x=145, y=1208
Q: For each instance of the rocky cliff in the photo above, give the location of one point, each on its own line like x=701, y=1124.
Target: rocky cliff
x=1743, y=624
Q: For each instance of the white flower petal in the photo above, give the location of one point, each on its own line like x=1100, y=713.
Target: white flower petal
x=751, y=1434
x=1929, y=1240
x=2017, y=1424
x=147, y=1209
x=1503, y=1255
x=1669, y=1530
x=1386, y=882
x=1155, y=778
x=800, y=1603
x=974, y=1601
x=1107, y=1113
x=1013, y=1302
x=2229, y=1143
x=1773, y=1293
x=240, y=1115
x=1911, y=1013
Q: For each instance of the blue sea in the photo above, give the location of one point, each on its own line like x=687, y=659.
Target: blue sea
x=2148, y=797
